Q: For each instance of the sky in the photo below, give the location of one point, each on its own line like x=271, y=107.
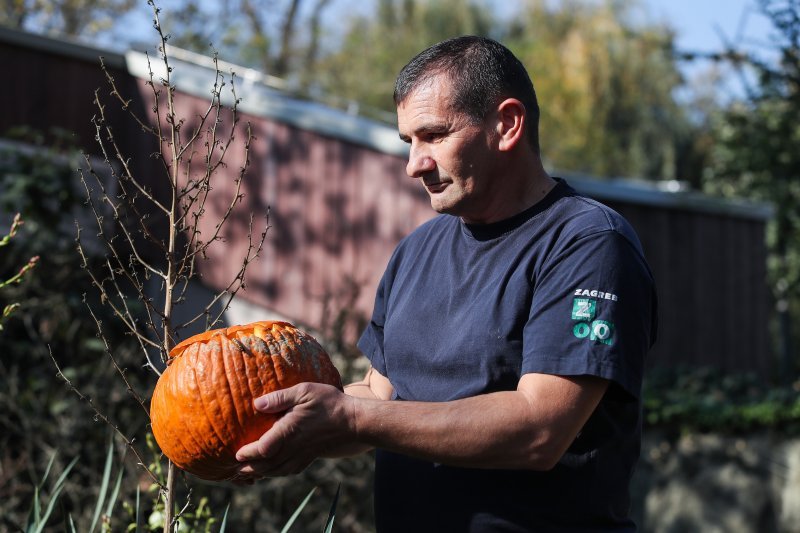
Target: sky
x=700, y=25
x=706, y=24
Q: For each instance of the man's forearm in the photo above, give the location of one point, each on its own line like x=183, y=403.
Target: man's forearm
x=514, y=429
x=490, y=431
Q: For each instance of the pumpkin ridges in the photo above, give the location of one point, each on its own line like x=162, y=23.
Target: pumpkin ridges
x=273, y=348
x=176, y=434
x=245, y=411
x=184, y=434
x=196, y=427
x=298, y=344
x=225, y=394
x=208, y=396
x=285, y=342
x=239, y=361
x=190, y=382
x=209, y=393
x=176, y=430
x=199, y=424
x=258, y=368
x=199, y=372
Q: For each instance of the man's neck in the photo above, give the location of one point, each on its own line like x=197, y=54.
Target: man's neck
x=520, y=191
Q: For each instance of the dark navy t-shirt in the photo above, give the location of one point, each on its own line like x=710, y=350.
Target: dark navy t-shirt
x=561, y=288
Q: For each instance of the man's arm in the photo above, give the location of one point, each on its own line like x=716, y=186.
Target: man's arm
x=529, y=428
x=374, y=386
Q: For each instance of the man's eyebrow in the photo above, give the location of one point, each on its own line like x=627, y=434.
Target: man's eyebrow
x=439, y=127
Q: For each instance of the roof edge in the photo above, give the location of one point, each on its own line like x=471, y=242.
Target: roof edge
x=258, y=99
x=649, y=193
x=63, y=46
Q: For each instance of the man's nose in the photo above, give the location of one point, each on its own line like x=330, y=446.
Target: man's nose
x=419, y=162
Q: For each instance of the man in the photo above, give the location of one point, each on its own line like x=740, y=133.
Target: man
x=508, y=334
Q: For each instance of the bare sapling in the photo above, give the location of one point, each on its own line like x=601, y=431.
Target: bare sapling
x=155, y=231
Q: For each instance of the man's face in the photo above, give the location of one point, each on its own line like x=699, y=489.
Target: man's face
x=451, y=157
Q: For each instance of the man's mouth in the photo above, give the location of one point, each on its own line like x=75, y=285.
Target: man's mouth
x=434, y=187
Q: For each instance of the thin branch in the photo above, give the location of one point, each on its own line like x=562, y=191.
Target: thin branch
x=121, y=314
x=104, y=418
x=101, y=123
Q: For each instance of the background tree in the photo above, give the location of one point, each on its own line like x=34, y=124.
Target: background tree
x=64, y=17
x=280, y=38
x=756, y=156
x=376, y=45
x=607, y=88
x=606, y=84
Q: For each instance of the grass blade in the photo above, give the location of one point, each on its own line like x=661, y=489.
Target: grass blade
x=224, y=519
x=138, y=494
x=297, y=511
x=35, y=513
x=57, y=488
x=114, y=494
x=101, y=497
x=332, y=513
x=47, y=470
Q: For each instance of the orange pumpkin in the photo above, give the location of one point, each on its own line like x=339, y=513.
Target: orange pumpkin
x=202, y=406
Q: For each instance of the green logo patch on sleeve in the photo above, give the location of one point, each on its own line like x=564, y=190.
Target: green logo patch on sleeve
x=583, y=309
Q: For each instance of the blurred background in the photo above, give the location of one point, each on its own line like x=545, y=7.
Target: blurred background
x=683, y=116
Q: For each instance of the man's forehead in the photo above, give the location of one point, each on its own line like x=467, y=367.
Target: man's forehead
x=422, y=116
x=431, y=86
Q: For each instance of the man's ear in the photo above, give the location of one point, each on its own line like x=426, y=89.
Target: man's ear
x=510, y=123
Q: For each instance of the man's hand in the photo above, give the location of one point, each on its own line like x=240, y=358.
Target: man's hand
x=317, y=421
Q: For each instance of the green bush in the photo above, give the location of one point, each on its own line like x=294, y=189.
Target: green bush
x=708, y=400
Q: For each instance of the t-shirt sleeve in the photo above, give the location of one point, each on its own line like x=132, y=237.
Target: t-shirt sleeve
x=371, y=341
x=592, y=313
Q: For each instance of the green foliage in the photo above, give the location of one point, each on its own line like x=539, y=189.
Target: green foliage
x=606, y=88
x=756, y=156
x=68, y=17
x=606, y=84
x=707, y=400
x=37, y=180
x=37, y=518
x=374, y=49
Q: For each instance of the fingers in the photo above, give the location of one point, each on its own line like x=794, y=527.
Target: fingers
x=266, y=447
x=257, y=470
x=278, y=401
x=270, y=442
x=250, y=452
